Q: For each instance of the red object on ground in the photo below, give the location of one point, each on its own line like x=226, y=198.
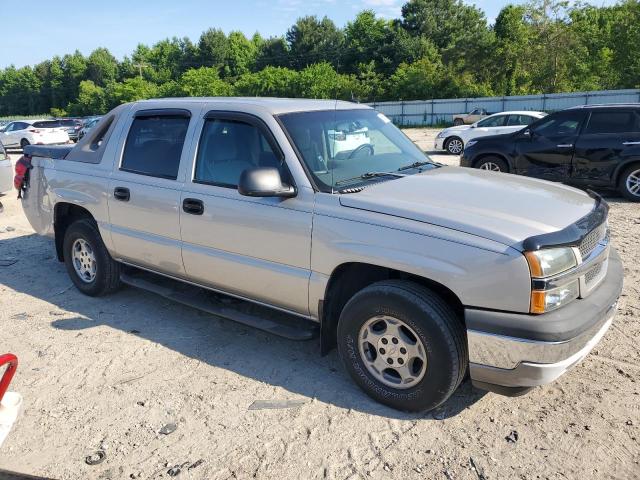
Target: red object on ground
x=12, y=360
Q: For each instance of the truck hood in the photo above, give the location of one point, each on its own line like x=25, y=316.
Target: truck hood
x=498, y=206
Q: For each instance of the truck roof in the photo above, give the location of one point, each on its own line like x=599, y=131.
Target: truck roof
x=273, y=105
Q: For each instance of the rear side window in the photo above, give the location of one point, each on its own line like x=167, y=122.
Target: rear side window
x=614, y=122
x=516, y=120
x=154, y=145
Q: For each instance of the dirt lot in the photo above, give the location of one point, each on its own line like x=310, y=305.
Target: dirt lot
x=110, y=373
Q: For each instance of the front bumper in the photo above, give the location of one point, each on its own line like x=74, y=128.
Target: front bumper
x=512, y=352
x=439, y=144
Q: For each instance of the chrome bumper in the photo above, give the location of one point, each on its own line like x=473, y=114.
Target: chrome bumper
x=521, y=363
x=519, y=351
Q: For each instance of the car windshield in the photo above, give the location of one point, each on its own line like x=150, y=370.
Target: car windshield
x=345, y=148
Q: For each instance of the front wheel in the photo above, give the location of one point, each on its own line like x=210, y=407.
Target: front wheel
x=629, y=184
x=454, y=146
x=403, y=345
x=493, y=164
x=88, y=262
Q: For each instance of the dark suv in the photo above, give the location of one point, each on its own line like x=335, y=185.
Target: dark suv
x=591, y=145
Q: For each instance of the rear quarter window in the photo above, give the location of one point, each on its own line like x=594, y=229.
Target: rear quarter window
x=154, y=146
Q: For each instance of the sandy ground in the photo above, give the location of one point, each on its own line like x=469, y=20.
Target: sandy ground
x=109, y=373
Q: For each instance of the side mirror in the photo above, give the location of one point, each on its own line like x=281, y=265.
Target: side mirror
x=264, y=182
x=527, y=133
x=475, y=125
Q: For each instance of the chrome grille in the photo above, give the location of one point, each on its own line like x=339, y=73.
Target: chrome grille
x=590, y=242
x=592, y=274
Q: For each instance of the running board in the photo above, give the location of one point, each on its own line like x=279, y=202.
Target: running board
x=240, y=311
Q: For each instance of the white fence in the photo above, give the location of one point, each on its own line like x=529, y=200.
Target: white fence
x=434, y=112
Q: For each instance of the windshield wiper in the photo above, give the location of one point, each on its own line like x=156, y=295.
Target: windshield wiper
x=414, y=165
x=368, y=175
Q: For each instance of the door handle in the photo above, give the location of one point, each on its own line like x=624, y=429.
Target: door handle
x=631, y=143
x=565, y=145
x=122, y=194
x=193, y=206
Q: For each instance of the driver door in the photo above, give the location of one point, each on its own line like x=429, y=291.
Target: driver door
x=252, y=247
x=546, y=149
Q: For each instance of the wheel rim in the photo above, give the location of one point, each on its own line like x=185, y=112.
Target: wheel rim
x=84, y=260
x=455, y=146
x=490, y=166
x=633, y=183
x=392, y=352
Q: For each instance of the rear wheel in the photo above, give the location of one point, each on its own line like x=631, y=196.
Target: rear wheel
x=493, y=164
x=24, y=142
x=629, y=183
x=403, y=345
x=454, y=145
x=458, y=121
x=88, y=262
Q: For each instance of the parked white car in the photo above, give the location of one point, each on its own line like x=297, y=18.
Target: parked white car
x=454, y=139
x=6, y=171
x=21, y=133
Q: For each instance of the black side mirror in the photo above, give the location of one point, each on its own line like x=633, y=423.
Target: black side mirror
x=264, y=182
x=527, y=133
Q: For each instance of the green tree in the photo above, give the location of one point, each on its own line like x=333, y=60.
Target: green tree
x=512, y=45
x=314, y=41
x=268, y=82
x=241, y=54
x=102, y=67
x=92, y=100
x=131, y=90
x=204, y=82
x=213, y=49
x=273, y=52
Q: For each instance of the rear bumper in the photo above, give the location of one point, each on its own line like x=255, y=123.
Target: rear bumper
x=517, y=352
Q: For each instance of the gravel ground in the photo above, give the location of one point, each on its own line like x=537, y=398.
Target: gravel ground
x=109, y=373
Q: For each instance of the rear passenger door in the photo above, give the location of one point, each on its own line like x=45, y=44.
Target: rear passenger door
x=144, y=191
x=258, y=248
x=610, y=139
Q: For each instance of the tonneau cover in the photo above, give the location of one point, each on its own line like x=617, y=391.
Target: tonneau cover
x=56, y=152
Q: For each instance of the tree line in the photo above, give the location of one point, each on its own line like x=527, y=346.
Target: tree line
x=436, y=49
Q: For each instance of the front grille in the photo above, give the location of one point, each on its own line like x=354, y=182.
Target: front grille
x=590, y=242
x=593, y=274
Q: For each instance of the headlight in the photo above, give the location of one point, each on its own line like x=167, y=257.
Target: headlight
x=547, y=263
x=442, y=134
x=471, y=143
x=550, y=261
x=543, y=301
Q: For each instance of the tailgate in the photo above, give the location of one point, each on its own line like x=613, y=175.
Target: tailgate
x=57, y=152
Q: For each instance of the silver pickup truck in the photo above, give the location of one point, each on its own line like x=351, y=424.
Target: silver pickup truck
x=266, y=211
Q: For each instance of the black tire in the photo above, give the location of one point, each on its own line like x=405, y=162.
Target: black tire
x=457, y=122
x=435, y=324
x=24, y=142
x=632, y=170
x=490, y=161
x=107, y=276
x=454, y=145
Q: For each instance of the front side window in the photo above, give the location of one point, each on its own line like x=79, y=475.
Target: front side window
x=559, y=124
x=497, y=121
x=154, y=146
x=614, y=122
x=342, y=148
x=229, y=147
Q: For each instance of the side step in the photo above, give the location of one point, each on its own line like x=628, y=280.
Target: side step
x=247, y=313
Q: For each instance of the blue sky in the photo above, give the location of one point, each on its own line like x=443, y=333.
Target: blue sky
x=51, y=28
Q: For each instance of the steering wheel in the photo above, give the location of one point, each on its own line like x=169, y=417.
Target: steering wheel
x=357, y=151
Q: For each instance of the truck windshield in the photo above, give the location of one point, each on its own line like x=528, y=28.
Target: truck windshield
x=342, y=148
